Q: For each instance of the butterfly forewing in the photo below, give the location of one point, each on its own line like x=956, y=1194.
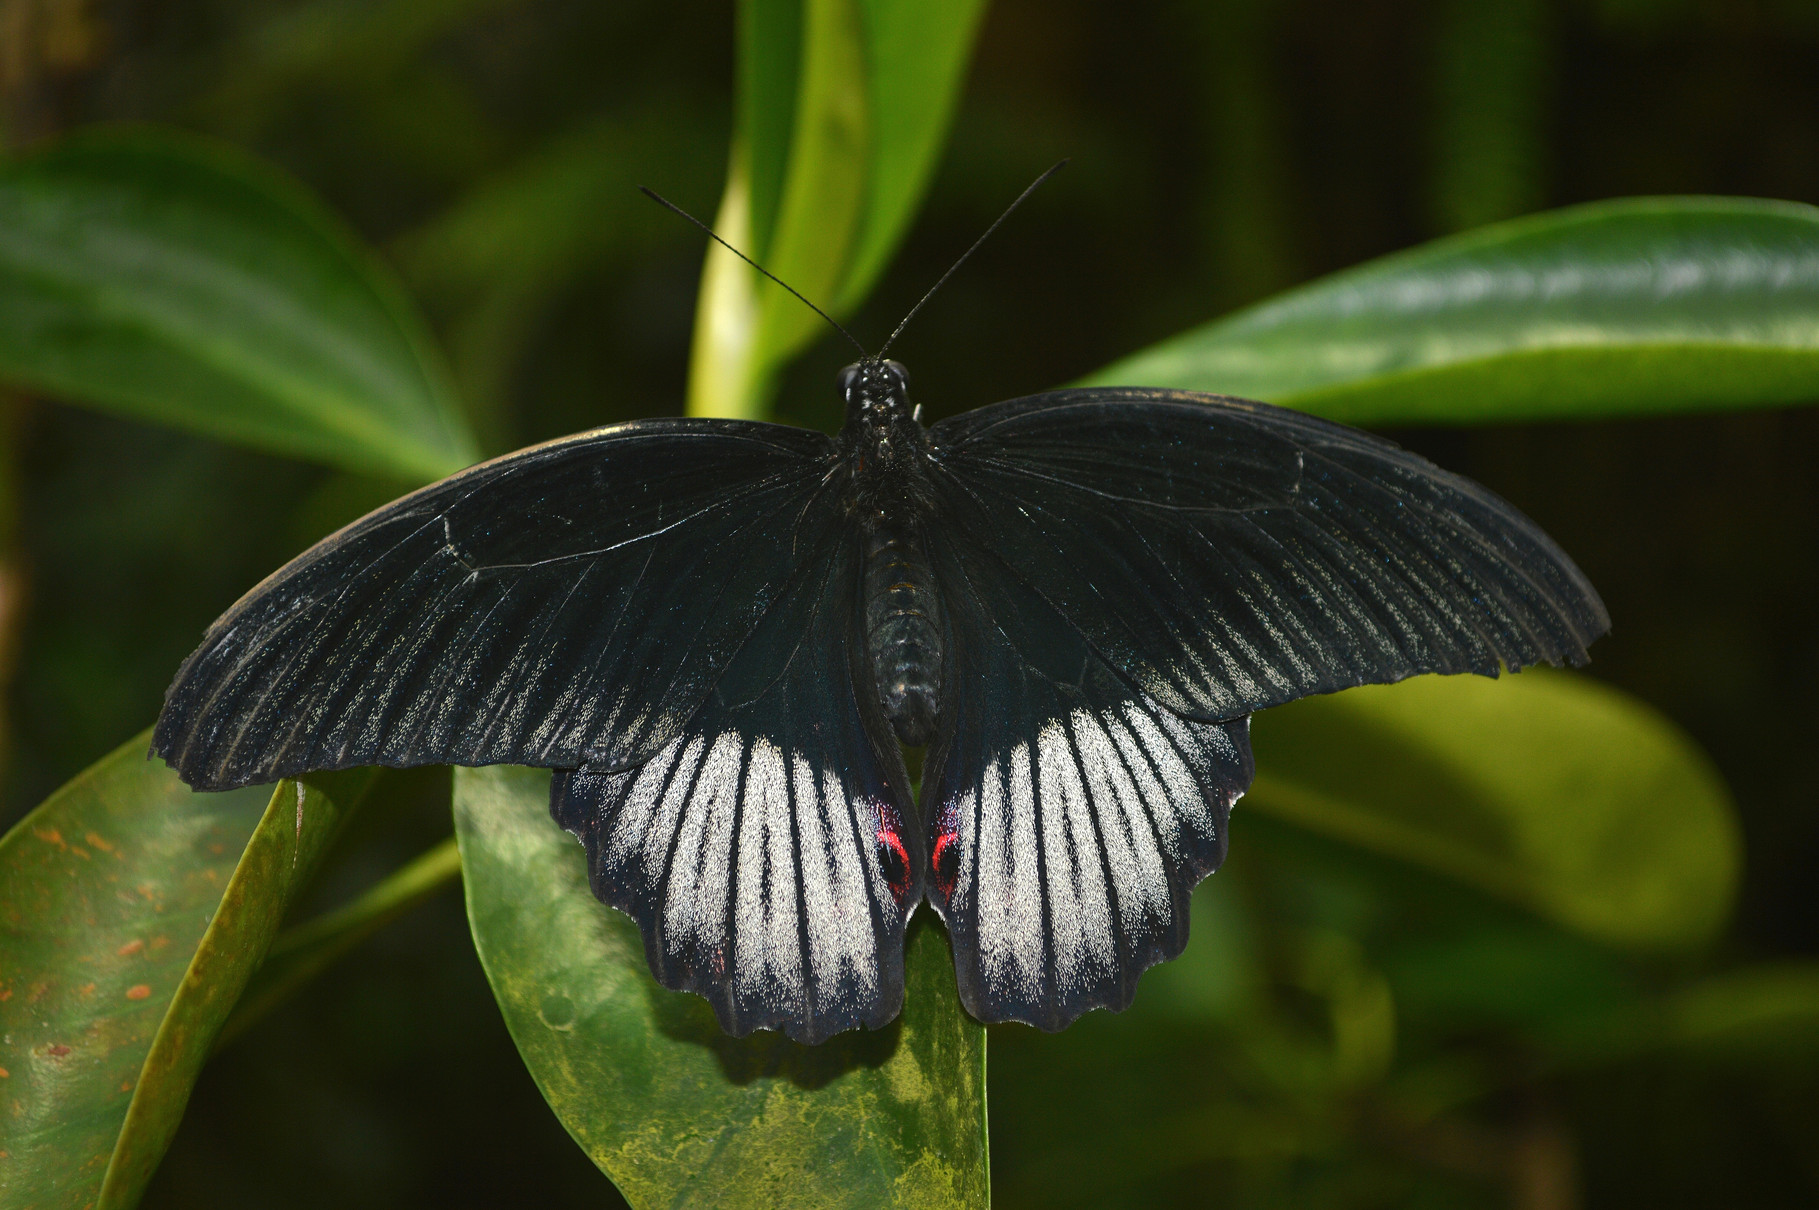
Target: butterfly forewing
x=1228, y=556
x=670, y=615
x=1070, y=814
x=765, y=851
x=569, y=603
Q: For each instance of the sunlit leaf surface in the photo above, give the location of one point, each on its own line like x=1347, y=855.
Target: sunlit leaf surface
x=676, y=1112
x=1631, y=307
x=181, y=282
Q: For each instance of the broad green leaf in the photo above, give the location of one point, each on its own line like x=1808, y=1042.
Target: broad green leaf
x=177, y=281
x=1548, y=789
x=135, y=911
x=844, y=105
x=1630, y=307
x=676, y=1112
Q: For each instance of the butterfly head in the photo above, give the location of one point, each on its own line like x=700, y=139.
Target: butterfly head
x=878, y=408
x=883, y=435
x=875, y=387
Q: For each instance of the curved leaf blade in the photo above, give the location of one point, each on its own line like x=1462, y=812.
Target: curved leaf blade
x=177, y=281
x=823, y=197
x=1631, y=307
x=677, y=1113
x=295, y=830
x=134, y=911
x=844, y=108
x=917, y=53
x=1548, y=789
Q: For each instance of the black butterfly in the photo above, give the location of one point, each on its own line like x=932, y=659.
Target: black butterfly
x=718, y=632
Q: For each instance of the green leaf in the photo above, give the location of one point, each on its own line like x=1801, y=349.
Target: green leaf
x=135, y=911
x=916, y=54
x=177, y=281
x=844, y=105
x=676, y=1112
x=1631, y=307
x=1548, y=789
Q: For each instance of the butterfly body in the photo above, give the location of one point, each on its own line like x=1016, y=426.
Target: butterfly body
x=886, y=454
x=717, y=634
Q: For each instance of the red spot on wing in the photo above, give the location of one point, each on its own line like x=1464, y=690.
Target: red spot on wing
x=897, y=871
x=945, y=874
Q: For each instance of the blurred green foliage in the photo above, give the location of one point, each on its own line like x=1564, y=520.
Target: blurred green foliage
x=1355, y=1023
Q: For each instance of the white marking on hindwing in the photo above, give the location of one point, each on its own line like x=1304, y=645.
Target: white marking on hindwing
x=1079, y=922
x=767, y=946
x=695, y=904
x=1136, y=865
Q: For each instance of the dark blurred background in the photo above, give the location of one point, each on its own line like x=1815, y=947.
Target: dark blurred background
x=1221, y=150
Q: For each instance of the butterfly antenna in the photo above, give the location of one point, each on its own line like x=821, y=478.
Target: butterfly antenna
x=654, y=196
x=1033, y=186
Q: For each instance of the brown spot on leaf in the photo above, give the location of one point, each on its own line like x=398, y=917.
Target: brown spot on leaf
x=57, y=1051
x=159, y=943
x=87, y=989
x=130, y=948
x=79, y=851
x=95, y=842
x=50, y=836
x=138, y=991
x=5, y=1074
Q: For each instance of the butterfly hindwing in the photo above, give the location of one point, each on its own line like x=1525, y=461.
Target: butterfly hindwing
x=1227, y=556
x=1069, y=814
x=767, y=851
x=569, y=603
x=669, y=614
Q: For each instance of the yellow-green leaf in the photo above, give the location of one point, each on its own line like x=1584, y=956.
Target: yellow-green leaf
x=1548, y=789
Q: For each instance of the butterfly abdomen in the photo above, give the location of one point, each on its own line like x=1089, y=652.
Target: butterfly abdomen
x=903, y=629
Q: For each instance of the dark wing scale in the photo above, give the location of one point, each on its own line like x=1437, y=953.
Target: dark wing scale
x=567, y=604
x=764, y=850
x=1070, y=814
x=1227, y=556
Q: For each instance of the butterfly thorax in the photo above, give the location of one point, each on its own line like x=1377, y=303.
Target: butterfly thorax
x=886, y=451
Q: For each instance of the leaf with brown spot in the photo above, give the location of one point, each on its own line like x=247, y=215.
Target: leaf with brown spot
x=131, y=965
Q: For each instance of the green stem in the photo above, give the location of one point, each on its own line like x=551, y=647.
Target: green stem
x=299, y=954
x=1327, y=816
x=725, y=373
